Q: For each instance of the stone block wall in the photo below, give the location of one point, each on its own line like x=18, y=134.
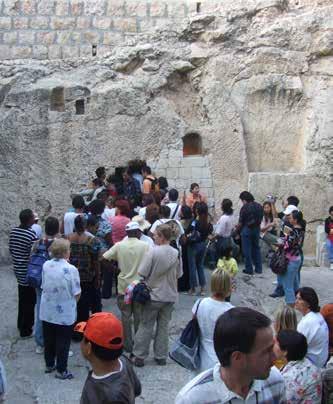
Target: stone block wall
x=60, y=29
x=181, y=172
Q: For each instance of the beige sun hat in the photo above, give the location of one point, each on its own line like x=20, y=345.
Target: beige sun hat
x=143, y=224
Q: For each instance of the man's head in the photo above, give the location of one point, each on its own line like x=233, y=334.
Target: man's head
x=246, y=197
x=292, y=200
x=173, y=195
x=27, y=218
x=101, y=173
x=133, y=230
x=102, y=337
x=127, y=174
x=96, y=207
x=146, y=170
x=92, y=224
x=78, y=202
x=165, y=212
x=243, y=341
x=51, y=226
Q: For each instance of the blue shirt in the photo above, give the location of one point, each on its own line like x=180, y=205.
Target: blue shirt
x=60, y=285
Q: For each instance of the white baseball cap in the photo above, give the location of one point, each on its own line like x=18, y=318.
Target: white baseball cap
x=289, y=209
x=132, y=226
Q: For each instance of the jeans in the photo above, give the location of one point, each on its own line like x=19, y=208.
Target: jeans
x=329, y=246
x=57, y=340
x=127, y=312
x=38, y=323
x=251, y=249
x=195, y=258
x=26, y=310
x=158, y=313
x=290, y=281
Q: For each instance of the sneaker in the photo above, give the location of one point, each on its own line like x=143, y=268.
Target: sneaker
x=23, y=337
x=160, y=362
x=50, y=369
x=39, y=350
x=247, y=273
x=64, y=375
x=274, y=282
x=274, y=295
x=139, y=363
x=70, y=354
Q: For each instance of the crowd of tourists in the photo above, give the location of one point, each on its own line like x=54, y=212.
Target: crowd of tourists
x=129, y=235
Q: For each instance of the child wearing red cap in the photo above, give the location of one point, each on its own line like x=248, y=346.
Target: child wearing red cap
x=112, y=378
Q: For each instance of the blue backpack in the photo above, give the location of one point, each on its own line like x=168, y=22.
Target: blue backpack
x=37, y=260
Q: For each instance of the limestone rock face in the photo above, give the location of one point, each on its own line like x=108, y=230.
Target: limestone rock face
x=255, y=82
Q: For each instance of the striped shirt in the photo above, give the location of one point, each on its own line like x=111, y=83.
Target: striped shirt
x=20, y=243
x=209, y=388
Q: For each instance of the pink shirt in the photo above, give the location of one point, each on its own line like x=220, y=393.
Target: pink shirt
x=118, y=224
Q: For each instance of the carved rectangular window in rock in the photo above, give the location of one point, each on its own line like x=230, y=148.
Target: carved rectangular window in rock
x=198, y=7
x=57, y=102
x=94, y=50
x=192, y=144
x=79, y=107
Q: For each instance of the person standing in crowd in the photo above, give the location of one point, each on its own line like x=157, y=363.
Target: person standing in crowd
x=147, y=200
x=293, y=245
x=285, y=319
x=112, y=378
x=84, y=256
x=150, y=182
x=37, y=228
x=67, y=225
x=195, y=195
x=197, y=235
x=224, y=228
x=120, y=220
x=186, y=219
x=21, y=239
x=243, y=342
x=104, y=237
x=290, y=201
x=302, y=378
x=313, y=326
x=250, y=218
x=327, y=313
x=60, y=292
x=110, y=208
x=268, y=231
x=131, y=187
x=160, y=270
x=173, y=204
x=329, y=232
x=207, y=312
x=51, y=232
x=129, y=254
x=227, y=263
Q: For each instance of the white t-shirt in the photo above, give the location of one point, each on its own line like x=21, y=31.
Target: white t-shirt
x=314, y=327
x=225, y=225
x=142, y=212
x=173, y=207
x=108, y=213
x=69, y=222
x=37, y=228
x=209, y=311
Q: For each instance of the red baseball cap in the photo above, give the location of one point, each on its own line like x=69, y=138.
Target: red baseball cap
x=104, y=329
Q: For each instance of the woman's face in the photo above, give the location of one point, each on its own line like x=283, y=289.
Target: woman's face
x=267, y=209
x=195, y=190
x=300, y=304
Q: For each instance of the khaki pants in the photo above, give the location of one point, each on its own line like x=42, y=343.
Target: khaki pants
x=127, y=311
x=159, y=313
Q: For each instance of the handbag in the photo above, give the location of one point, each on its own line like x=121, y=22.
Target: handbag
x=279, y=262
x=194, y=236
x=185, y=350
x=141, y=293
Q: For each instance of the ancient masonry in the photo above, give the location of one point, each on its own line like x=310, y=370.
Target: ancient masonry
x=53, y=29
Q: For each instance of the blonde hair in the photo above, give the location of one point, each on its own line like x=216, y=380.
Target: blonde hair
x=165, y=231
x=285, y=319
x=60, y=248
x=220, y=283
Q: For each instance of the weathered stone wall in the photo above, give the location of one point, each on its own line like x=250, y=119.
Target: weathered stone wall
x=52, y=29
x=255, y=81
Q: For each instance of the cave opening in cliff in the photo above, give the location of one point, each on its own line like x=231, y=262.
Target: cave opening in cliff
x=192, y=144
x=57, y=99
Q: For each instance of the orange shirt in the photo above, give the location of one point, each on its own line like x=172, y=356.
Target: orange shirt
x=192, y=198
x=146, y=186
x=327, y=313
